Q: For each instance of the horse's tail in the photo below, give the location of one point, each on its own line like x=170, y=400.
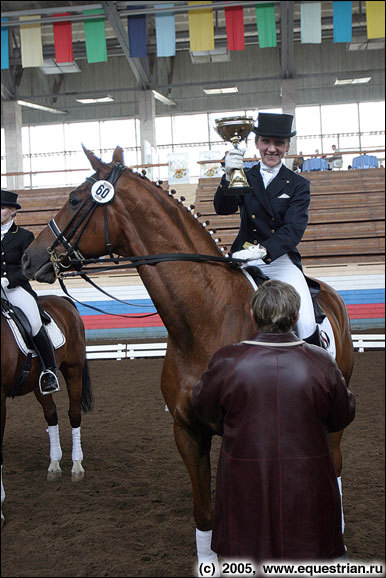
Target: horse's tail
x=87, y=400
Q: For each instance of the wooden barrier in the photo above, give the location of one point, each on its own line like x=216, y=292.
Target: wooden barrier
x=346, y=217
x=120, y=351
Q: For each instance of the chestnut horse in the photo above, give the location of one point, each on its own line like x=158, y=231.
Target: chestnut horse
x=72, y=362
x=203, y=306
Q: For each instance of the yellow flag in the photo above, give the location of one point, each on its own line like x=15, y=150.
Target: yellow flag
x=201, y=32
x=375, y=14
x=30, y=42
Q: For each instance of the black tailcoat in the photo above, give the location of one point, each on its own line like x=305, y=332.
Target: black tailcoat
x=13, y=245
x=275, y=217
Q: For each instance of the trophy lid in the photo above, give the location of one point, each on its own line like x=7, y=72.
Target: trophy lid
x=236, y=126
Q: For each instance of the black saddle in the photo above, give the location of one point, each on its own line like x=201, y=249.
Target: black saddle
x=314, y=287
x=21, y=320
x=24, y=326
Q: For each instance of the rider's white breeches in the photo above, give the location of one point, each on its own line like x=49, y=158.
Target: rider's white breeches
x=21, y=298
x=284, y=270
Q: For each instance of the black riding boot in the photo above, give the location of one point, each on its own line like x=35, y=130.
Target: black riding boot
x=48, y=381
x=314, y=339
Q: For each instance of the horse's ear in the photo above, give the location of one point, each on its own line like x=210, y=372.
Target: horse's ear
x=95, y=162
x=118, y=155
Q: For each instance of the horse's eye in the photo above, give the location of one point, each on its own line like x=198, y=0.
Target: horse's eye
x=73, y=200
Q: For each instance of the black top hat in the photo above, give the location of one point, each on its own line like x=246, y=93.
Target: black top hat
x=271, y=124
x=8, y=199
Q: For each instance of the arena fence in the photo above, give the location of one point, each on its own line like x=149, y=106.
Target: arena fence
x=120, y=351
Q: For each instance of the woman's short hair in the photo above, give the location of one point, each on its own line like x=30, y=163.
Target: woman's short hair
x=275, y=306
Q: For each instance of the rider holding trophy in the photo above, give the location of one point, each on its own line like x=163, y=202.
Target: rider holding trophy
x=273, y=213
x=16, y=288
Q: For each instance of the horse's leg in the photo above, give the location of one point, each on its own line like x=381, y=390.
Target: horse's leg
x=335, y=440
x=3, y=417
x=73, y=377
x=49, y=408
x=195, y=451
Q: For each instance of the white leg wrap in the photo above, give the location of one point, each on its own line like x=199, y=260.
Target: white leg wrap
x=207, y=559
x=77, y=453
x=55, y=449
x=2, y=487
x=339, y=479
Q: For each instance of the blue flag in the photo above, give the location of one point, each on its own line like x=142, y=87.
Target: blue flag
x=342, y=20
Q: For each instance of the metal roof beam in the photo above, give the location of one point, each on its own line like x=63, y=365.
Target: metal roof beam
x=287, y=39
x=139, y=71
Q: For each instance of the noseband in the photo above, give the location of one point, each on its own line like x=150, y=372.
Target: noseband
x=101, y=193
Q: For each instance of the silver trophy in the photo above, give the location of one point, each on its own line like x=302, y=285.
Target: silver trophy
x=235, y=130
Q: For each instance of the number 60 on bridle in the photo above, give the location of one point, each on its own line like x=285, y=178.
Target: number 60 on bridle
x=102, y=192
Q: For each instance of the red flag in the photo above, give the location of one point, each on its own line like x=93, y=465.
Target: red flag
x=63, y=40
x=234, y=18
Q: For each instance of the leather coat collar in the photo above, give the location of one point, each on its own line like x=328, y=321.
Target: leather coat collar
x=274, y=337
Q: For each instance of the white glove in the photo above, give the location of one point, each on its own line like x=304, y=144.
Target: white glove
x=4, y=282
x=233, y=160
x=253, y=253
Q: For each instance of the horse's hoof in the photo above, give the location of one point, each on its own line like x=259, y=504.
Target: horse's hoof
x=54, y=476
x=77, y=477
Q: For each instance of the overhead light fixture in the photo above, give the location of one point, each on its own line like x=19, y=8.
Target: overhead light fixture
x=52, y=67
x=220, y=54
x=363, y=43
x=228, y=90
x=163, y=99
x=343, y=81
x=40, y=107
x=96, y=100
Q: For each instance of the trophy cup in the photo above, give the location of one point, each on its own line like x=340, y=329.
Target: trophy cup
x=235, y=130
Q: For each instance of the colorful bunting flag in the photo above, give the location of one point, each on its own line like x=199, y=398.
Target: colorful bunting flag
x=31, y=42
x=342, y=21
x=310, y=23
x=201, y=31
x=136, y=27
x=234, y=20
x=266, y=24
x=63, y=40
x=165, y=29
x=375, y=14
x=95, y=37
x=4, y=47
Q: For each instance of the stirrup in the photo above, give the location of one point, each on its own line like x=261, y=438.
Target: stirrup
x=53, y=389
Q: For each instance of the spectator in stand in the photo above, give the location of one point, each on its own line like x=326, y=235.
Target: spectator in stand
x=297, y=164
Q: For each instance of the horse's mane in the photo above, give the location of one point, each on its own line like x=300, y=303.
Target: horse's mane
x=178, y=204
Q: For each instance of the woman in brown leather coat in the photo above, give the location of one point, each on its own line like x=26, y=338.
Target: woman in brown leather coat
x=275, y=398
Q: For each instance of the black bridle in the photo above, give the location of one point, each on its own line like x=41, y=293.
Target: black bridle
x=72, y=257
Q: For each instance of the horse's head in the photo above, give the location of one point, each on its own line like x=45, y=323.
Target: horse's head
x=82, y=228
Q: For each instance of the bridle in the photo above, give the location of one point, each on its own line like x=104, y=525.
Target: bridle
x=99, y=195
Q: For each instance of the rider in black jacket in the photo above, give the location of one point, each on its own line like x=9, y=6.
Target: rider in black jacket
x=274, y=215
x=16, y=288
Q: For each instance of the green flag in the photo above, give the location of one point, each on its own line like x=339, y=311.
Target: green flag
x=266, y=26
x=95, y=37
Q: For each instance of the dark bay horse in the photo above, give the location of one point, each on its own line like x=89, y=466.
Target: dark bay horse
x=204, y=306
x=72, y=362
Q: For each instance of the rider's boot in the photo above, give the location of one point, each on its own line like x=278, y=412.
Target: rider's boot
x=48, y=381
x=314, y=339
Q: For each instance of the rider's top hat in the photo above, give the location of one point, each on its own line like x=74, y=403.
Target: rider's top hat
x=9, y=199
x=271, y=124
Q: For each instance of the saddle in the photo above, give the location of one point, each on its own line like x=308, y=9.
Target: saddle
x=21, y=329
x=314, y=287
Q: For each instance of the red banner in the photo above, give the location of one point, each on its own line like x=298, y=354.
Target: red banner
x=63, y=40
x=234, y=18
